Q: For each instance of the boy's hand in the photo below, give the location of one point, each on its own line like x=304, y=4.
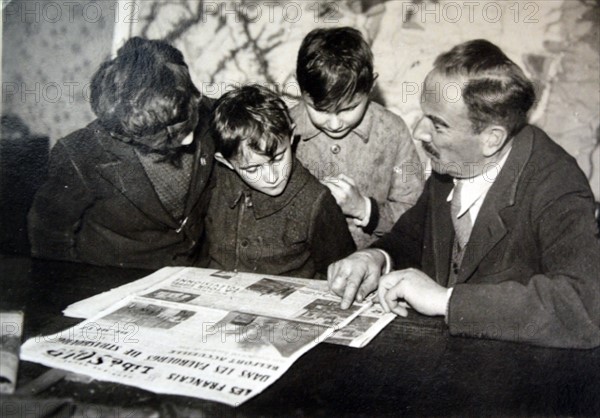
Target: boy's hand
x=347, y=195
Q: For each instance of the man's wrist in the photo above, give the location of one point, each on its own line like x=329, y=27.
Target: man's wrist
x=386, y=264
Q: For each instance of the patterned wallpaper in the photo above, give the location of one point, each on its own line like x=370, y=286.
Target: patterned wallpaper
x=555, y=41
x=51, y=49
x=50, y=52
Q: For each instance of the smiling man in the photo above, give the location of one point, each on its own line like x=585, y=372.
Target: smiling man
x=503, y=241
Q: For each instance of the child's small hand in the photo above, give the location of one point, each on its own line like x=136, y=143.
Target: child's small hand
x=347, y=195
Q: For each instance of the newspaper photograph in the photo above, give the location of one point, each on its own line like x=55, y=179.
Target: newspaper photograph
x=363, y=328
x=170, y=284
x=204, y=333
x=92, y=306
x=281, y=297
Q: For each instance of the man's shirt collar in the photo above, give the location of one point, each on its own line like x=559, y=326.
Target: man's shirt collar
x=476, y=188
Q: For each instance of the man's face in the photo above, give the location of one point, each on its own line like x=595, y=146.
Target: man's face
x=445, y=129
x=340, y=123
x=263, y=173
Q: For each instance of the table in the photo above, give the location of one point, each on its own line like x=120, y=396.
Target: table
x=412, y=368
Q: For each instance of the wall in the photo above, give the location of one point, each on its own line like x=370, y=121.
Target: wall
x=51, y=49
x=555, y=41
x=50, y=52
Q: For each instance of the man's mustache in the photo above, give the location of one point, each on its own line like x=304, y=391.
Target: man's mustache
x=429, y=149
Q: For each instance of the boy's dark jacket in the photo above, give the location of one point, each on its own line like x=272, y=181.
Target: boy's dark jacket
x=298, y=233
x=99, y=206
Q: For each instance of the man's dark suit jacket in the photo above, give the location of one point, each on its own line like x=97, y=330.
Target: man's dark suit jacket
x=531, y=269
x=99, y=206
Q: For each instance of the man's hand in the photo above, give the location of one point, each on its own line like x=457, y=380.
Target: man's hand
x=414, y=287
x=356, y=275
x=347, y=195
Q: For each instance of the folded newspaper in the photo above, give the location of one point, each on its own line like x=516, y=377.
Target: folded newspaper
x=357, y=333
x=209, y=334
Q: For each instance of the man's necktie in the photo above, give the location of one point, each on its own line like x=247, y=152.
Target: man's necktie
x=462, y=224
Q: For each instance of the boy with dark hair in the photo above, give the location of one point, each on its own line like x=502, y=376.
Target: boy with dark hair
x=130, y=189
x=362, y=152
x=268, y=213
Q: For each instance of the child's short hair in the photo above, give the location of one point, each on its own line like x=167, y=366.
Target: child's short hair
x=146, y=93
x=333, y=66
x=253, y=114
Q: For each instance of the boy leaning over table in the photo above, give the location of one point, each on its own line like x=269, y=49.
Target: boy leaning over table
x=131, y=188
x=268, y=214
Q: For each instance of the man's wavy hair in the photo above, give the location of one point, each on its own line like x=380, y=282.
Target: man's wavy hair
x=253, y=115
x=333, y=66
x=496, y=91
x=146, y=95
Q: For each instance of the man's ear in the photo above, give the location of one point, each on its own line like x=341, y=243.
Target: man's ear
x=219, y=157
x=494, y=137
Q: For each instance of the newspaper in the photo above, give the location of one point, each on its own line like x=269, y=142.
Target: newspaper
x=89, y=307
x=11, y=329
x=363, y=328
x=357, y=333
x=203, y=333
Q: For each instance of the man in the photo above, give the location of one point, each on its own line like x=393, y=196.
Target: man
x=130, y=189
x=503, y=241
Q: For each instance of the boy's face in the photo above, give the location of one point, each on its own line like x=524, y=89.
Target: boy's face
x=261, y=172
x=341, y=122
